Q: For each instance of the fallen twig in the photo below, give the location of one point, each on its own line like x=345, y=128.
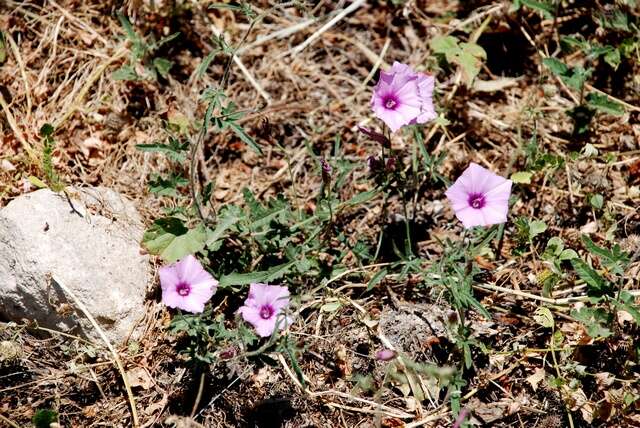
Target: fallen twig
x=116, y=357
x=346, y=11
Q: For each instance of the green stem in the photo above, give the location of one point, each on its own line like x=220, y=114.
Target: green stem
x=406, y=222
x=382, y=215
x=199, y=395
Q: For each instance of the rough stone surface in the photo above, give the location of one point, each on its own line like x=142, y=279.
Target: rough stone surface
x=89, y=241
x=410, y=327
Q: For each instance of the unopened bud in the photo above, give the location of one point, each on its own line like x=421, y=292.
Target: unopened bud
x=375, y=136
x=385, y=354
x=326, y=171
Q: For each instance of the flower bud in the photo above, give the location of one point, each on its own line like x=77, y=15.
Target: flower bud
x=326, y=171
x=385, y=354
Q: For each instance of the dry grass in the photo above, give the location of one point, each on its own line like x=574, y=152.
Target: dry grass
x=60, y=73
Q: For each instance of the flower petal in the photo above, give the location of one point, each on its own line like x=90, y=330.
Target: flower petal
x=187, y=266
x=399, y=67
x=458, y=196
x=171, y=298
x=168, y=277
x=264, y=327
x=501, y=192
x=192, y=303
x=483, y=180
x=494, y=214
x=392, y=118
x=203, y=291
x=470, y=217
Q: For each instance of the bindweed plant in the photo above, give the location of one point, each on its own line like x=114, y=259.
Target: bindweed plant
x=216, y=256
x=143, y=64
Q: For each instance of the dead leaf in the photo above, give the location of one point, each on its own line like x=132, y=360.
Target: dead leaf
x=7, y=166
x=138, y=376
x=494, y=85
x=90, y=143
x=604, y=380
x=624, y=317
x=535, y=379
x=182, y=422
x=582, y=403
x=591, y=227
x=634, y=172
x=261, y=378
x=484, y=263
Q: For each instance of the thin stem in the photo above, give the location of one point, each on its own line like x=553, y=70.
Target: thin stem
x=406, y=221
x=199, y=395
x=293, y=184
x=512, y=160
x=622, y=277
x=382, y=215
x=223, y=83
x=555, y=365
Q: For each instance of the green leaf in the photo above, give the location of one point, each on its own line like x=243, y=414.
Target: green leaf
x=169, y=238
x=546, y=9
x=544, y=317
x=43, y=418
x=556, y=66
x=576, y=78
x=474, y=50
x=224, y=6
x=206, y=62
x=174, y=150
x=603, y=104
x=165, y=40
x=597, y=250
x=575, y=42
x=633, y=310
x=126, y=72
x=37, y=182
x=612, y=57
x=227, y=217
x=3, y=48
x=128, y=28
x=536, y=227
x=190, y=243
x=594, y=320
x=470, y=65
x=361, y=198
x=468, y=56
x=581, y=116
x=568, y=254
x=555, y=245
x=47, y=130
x=523, y=177
x=331, y=306
x=265, y=276
x=597, y=201
x=444, y=44
x=596, y=283
x=167, y=186
x=379, y=276
x=239, y=131
x=163, y=66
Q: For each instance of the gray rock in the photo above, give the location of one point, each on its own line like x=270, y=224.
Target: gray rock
x=88, y=240
x=411, y=327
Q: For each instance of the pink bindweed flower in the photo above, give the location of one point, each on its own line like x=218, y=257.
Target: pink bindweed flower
x=403, y=97
x=264, y=306
x=186, y=285
x=479, y=197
